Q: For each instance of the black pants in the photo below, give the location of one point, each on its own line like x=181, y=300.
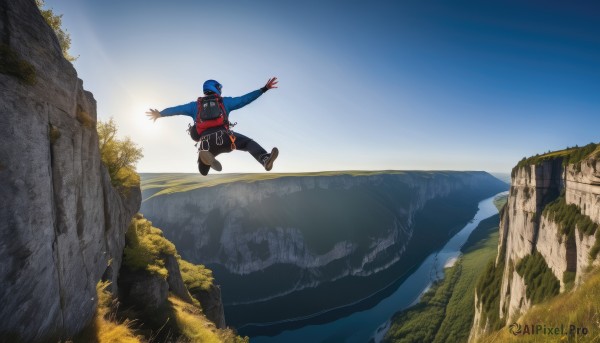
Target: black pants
x=219, y=142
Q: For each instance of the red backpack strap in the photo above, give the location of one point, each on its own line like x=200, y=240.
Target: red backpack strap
x=199, y=108
x=225, y=115
x=223, y=108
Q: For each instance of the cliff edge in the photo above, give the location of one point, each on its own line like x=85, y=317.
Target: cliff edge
x=549, y=236
x=62, y=224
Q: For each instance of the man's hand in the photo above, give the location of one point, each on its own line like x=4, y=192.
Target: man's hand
x=153, y=114
x=272, y=83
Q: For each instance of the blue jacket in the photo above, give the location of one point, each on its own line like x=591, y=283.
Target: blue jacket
x=230, y=104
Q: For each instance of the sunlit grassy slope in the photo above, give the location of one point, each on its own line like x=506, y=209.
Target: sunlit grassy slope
x=580, y=307
x=105, y=327
x=500, y=201
x=569, y=155
x=177, y=321
x=166, y=183
x=195, y=327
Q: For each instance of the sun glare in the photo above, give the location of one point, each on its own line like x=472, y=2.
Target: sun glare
x=140, y=120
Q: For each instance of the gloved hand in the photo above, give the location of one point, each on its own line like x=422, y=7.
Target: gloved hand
x=272, y=83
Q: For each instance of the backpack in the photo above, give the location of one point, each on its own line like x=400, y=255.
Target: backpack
x=211, y=113
x=211, y=107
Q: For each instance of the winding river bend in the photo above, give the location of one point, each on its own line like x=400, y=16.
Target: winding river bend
x=364, y=325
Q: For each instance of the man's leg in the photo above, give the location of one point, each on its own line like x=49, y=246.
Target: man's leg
x=208, y=158
x=219, y=142
x=212, y=145
x=244, y=143
x=203, y=168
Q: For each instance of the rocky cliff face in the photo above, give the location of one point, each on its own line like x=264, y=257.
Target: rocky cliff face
x=61, y=222
x=526, y=227
x=212, y=305
x=317, y=228
x=532, y=188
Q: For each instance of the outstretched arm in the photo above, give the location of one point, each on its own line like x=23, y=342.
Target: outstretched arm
x=189, y=109
x=241, y=101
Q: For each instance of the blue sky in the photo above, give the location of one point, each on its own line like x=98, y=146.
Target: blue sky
x=462, y=85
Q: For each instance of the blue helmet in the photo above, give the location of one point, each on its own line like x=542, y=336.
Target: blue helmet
x=212, y=86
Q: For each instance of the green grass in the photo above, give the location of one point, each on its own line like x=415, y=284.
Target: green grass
x=579, y=307
x=195, y=276
x=422, y=322
x=154, y=185
x=488, y=292
x=144, y=250
x=596, y=248
x=569, y=156
x=144, y=246
x=460, y=310
x=568, y=217
x=176, y=183
x=568, y=280
x=539, y=279
x=445, y=313
x=500, y=201
x=579, y=154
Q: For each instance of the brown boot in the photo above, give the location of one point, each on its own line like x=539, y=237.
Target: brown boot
x=209, y=159
x=270, y=158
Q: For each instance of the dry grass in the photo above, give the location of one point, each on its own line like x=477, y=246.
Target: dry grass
x=108, y=329
x=105, y=328
x=84, y=118
x=181, y=322
x=192, y=324
x=581, y=307
x=196, y=328
x=178, y=321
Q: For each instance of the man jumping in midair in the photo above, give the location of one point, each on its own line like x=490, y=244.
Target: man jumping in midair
x=212, y=126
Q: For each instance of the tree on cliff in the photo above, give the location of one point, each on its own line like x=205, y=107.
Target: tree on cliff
x=119, y=156
x=55, y=22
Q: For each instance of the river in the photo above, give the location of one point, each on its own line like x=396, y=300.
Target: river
x=362, y=326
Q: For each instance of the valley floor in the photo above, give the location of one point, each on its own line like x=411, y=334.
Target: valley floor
x=445, y=313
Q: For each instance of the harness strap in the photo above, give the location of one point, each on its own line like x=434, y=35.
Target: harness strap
x=232, y=137
x=204, y=143
x=205, y=138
